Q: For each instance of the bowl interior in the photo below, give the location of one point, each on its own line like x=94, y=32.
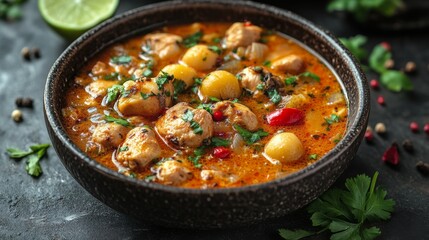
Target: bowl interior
x=146, y=19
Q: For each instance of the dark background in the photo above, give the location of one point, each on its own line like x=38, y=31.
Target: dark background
x=54, y=206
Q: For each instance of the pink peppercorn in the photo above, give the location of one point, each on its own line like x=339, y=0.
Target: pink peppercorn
x=426, y=128
x=386, y=46
x=380, y=100
x=374, y=84
x=414, y=126
x=369, y=136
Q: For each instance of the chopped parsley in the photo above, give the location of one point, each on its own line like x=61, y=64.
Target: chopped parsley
x=220, y=142
x=274, y=96
x=355, y=45
x=123, y=149
x=248, y=136
x=120, y=60
x=36, y=153
x=331, y=120
x=214, y=99
x=197, y=82
x=206, y=106
x=112, y=76
x=192, y=40
x=147, y=95
x=347, y=214
x=215, y=49
x=292, y=80
x=147, y=72
x=267, y=63
x=113, y=93
x=163, y=79
x=150, y=178
x=216, y=40
x=119, y=121
x=312, y=156
x=188, y=116
x=260, y=86
x=179, y=87
x=195, y=158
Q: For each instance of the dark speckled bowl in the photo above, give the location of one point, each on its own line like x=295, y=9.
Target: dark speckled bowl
x=208, y=208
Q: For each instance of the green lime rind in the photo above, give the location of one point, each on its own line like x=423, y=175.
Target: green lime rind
x=71, y=19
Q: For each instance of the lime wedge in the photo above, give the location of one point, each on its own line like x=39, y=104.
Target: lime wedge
x=71, y=18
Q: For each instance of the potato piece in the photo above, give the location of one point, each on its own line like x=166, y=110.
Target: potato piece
x=284, y=147
x=220, y=84
x=200, y=57
x=181, y=72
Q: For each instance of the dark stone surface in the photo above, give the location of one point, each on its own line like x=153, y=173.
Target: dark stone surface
x=56, y=207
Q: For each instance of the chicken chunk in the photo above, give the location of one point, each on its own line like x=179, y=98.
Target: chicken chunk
x=109, y=135
x=292, y=64
x=183, y=126
x=100, y=68
x=239, y=35
x=237, y=113
x=165, y=45
x=144, y=98
x=173, y=172
x=256, y=51
x=98, y=88
x=139, y=148
x=258, y=78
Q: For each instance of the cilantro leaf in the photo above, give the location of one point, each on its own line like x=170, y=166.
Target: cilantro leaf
x=120, y=60
x=396, y=81
x=112, y=76
x=206, y=106
x=33, y=167
x=310, y=75
x=192, y=40
x=346, y=214
x=291, y=81
x=355, y=45
x=294, y=234
x=119, y=121
x=197, y=82
x=147, y=95
x=267, y=63
x=274, y=96
x=179, y=87
x=220, y=142
x=360, y=9
x=378, y=58
x=163, y=79
x=248, y=136
x=188, y=116
x=215, y=49
x=17, y=153
x=113, y=93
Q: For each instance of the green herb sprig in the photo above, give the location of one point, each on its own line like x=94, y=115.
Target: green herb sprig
x=361, y=9
x=121, y=60
x=347, y=214
x=292, y=80
x=192, y=40
x=248, y=136
x=188, y=116
x=36, y=153
x=119, y=121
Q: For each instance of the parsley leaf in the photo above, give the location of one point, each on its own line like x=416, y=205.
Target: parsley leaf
x=355, y=45
x=248, y=136
x=219, y=142
x=334, y=118
x=310, y=75
x=346, y=213
x=120, y=60
x=215, y=49
x=267, y=63
x=206, y=106
x=396, y=81
x=360, y=9
x=192, y=40
x=119, y=121
x=313, y=156
x=197, y=82
x=179, y=87
x=293, y=79
x=147, y=95
x=274, y=96
x=36, y=153
x=163, y=79
x=378, y=58
x=195, y=159
x=112, y=76
x=188, y=116
x=113, y=93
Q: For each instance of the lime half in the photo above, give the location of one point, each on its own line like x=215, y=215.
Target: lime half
x=71, y=18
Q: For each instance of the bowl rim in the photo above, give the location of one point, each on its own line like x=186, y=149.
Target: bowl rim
x=347, y=140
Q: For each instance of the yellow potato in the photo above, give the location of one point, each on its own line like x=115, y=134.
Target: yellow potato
x=284, y=147
x=200, y=57
x=220, y=84
x=181, y=72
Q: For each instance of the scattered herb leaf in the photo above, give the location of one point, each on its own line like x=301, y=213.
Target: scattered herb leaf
x=378, y=58
x=179, y=87
x=215, y=49
x=192, y=40
x=119, y=121
x=267, y=63
x=113, y=93
x=188, y=116
x=147, y=95
x=36, y=153
x=120, y=60
x=355, y=45
x=274, y=96
x=220, y=142
x=248, y=136
x=348, y=213
x=163, y=79
x=361, y=9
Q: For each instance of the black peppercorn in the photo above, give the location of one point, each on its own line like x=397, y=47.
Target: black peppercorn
x=24, y=102
x=408, y=145
x=25, y=52
x=36, y=52
x=423, y=167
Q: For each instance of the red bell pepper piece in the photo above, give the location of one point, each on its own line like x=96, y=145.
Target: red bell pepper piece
x=285, y=117
x=221, y=152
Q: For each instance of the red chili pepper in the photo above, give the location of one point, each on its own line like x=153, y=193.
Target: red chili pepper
x=374, y=84
x=285, y=117
x=391, y=155
x=221, y=152
x=218, y=116
x=414, y=126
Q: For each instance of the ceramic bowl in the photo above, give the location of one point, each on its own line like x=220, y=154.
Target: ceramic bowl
x=206, y=208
